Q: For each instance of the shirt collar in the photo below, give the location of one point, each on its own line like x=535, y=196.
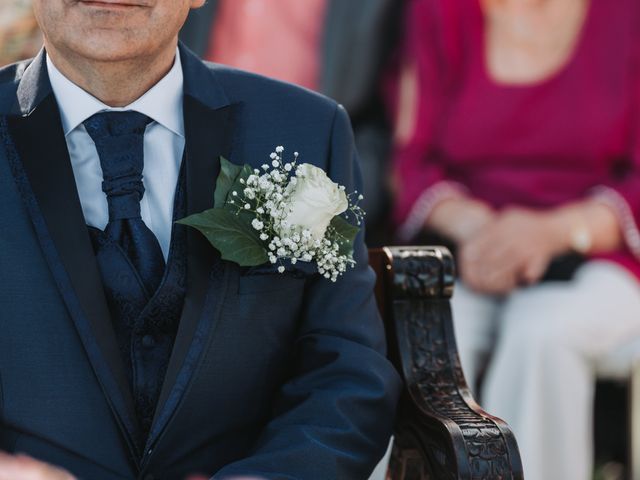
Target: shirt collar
x=162, y=102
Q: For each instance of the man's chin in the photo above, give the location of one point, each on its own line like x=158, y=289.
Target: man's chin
x=110, y=50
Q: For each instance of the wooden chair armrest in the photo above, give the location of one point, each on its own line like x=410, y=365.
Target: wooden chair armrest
x=441, y=432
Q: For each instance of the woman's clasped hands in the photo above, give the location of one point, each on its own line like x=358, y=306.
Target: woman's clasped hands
x=500, y=250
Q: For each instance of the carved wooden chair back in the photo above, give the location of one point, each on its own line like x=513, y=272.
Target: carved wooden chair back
x=440, y=432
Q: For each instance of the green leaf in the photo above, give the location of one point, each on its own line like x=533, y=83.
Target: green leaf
x=243, y=174
x=235, y=240
x=229, y=172
x=347, y=234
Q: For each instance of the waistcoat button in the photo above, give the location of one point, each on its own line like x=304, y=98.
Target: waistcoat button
x=148, y=341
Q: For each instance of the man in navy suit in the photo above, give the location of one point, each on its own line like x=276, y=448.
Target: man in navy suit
x=128, y=347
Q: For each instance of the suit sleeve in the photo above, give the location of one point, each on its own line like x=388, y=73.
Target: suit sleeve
x=334, y=416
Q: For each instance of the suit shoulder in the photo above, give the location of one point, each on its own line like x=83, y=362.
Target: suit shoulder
x=245, y=86
x=10, y=76
x=12, y=73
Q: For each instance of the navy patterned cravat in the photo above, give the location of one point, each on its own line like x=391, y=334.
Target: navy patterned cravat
x=119, y=139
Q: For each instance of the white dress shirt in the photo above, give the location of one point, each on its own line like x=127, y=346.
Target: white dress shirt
x=163, y=148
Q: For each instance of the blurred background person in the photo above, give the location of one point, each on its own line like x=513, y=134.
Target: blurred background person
x=20, y=36
x=335, y=47
x=518, y=144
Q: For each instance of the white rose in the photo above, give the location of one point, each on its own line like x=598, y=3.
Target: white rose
x=315, y=200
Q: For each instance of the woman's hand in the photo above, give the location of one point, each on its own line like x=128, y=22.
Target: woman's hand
x=460, y=218
x=23, y=467
x=517, y=245
x=513, y=249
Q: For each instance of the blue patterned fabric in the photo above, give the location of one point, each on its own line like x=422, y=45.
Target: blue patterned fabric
x=154, y=332
x=145, y=301
x=119, y=139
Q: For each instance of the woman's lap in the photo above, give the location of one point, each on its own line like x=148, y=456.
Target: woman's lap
x=540, y=377
x=591, y=314
x=596, y=311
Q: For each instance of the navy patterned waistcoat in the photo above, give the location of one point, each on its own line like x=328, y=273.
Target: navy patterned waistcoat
x=146, y=331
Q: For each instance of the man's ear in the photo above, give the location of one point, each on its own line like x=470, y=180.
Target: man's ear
x=197, y=3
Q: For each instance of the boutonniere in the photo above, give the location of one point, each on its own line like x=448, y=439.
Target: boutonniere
x=285, y=211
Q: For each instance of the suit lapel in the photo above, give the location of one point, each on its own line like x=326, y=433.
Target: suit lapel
x=208, y=127
x=43, y=171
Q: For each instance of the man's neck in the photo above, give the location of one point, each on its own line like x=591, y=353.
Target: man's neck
x=114, y=83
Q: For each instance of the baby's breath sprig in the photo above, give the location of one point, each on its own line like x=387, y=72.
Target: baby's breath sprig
x=264, y=200
x=355, y=209
x=268, y=197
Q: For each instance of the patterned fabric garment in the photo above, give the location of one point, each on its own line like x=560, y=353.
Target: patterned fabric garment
x=151, y=338
x=119, y=139
x=145, y=299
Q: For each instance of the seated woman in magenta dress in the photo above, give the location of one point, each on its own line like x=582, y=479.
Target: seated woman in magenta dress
x=518, y=139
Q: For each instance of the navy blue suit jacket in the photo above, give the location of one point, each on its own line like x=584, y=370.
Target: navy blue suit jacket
x=279, y=376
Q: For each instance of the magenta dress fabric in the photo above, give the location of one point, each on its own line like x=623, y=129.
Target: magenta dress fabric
x=572, y=135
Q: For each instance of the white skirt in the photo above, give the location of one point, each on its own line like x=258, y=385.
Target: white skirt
x=539, y=346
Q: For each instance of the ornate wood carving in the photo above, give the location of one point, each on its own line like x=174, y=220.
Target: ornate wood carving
x=441, y=432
